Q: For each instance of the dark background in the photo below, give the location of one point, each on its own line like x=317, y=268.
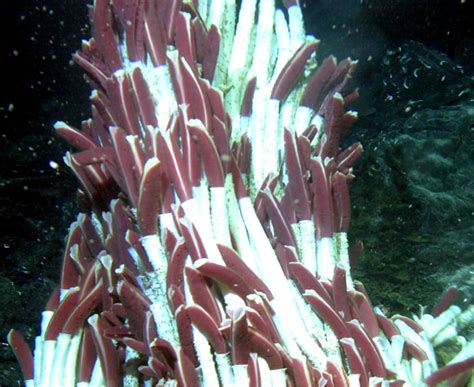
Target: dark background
x=40, y=86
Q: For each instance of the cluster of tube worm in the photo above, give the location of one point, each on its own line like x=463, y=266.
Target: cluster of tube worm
x=211, y=248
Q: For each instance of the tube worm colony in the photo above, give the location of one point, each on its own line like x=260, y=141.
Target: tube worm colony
x=212, y=246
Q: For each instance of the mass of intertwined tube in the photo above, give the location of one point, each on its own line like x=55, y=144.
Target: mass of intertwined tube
x=211, y=249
